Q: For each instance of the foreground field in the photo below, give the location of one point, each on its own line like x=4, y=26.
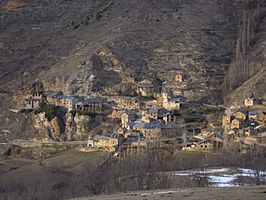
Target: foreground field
x=241, y=193
x=58, y=174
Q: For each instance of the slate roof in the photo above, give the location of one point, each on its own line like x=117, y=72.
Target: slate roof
x=101, y=137
x=153, y=110
x=94, y=100
x=33, y=100
x=139, y=125
x=152, y=125
x=252, y=112
x=65, y=97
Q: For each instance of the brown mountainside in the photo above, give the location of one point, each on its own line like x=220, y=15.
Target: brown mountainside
x=64, y=43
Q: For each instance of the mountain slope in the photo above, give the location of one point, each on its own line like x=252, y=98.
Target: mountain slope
x=107, y=46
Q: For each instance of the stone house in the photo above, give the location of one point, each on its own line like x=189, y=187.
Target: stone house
x=252, y=115
x=50, y=96
x=240, y=115
x=120, y=138
x=32, y=103
x=250, y=131
x=38, y=95
x=166, y=116
x=145, y=88
x=127, y=117
x=235, y=124
x=169, y=103
x=116, y=112
x=150, y=114
x=251, y=101
x=211, y=142
x=67, y=102
x=91, y=105
x=178, y=78
x=129, y=103
x=90, y=142
x=150, y=104
x=105, y=142
x=226, y=120
x=137, y=126
x=152, y=130
x=261, y=116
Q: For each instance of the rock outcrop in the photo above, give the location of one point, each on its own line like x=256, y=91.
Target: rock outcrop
x=48, y=130
x=77, y=127
x=72, y=127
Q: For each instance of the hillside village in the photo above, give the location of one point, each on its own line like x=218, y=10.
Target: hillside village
x=161, y=117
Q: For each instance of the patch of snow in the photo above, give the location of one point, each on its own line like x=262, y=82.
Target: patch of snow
x=180, y=174
x=221, y=185
x=209, y=171
x=250, y=173
x=221, y=179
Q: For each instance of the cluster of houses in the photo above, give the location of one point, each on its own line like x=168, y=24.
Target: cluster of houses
x=204, y=142
x=147, y=116
x=247, y=124
x=140, y=119
x=88, y=104
x=150, y=116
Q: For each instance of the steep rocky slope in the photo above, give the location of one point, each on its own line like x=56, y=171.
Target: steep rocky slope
x=247, y=72
x=81, y=46
x=59, y=41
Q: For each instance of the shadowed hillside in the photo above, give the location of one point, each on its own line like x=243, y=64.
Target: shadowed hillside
x=65, y=43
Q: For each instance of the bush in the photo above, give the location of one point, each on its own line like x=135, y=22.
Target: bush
x=25, y=111
x=50, y=111
x=80, y=112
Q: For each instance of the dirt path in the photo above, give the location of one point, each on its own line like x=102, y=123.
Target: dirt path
x=241, y=193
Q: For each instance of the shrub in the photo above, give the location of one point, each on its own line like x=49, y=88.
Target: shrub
x=80, y=112
x=50, y=111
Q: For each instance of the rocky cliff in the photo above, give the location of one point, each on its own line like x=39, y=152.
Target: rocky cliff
x=72, y=127
x=48, y=130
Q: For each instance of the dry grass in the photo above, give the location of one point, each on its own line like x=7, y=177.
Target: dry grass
x=242, y=193
x=14, y=5
x=76, y=160
x=27, y=179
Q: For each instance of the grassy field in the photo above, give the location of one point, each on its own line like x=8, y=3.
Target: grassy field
x=27, y=179
x=76, y=160
x=241, y=193
x=13, y=164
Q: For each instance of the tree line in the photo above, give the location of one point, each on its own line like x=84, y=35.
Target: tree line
x=243, y=67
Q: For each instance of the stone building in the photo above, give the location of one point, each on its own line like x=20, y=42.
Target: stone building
x=178, y=78
x=169, y=103
x=145, y=88
x=91, y=105
x=241, y=115
x=127, y=117
x=32, y=103
x=67, y=102
x=235, y=124
x=128, y=103
x=104, y=142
